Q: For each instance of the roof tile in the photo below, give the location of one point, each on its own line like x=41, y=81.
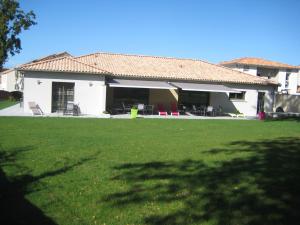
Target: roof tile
x=62, y=64
x=153, y=67
x=258, y=62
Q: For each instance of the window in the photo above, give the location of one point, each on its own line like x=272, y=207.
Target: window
x=237, y=96
x=189, y=98
x=62, y=93
x=246, y=68
x=287, y=77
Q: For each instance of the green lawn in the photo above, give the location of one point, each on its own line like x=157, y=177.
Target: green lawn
x=93, y=171
x=6, y=103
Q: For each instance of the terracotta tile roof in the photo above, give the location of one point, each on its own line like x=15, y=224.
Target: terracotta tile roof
x=147, y=67
x=152, y=67
x=52, y=56
x=258, y=62
x=62, y=64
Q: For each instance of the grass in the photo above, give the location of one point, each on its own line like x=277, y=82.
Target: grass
x=6, y=103
x=93, y=171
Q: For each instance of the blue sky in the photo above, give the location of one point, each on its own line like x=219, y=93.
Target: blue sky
x=212, y=30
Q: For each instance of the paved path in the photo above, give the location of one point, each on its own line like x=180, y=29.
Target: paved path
x=14, y=110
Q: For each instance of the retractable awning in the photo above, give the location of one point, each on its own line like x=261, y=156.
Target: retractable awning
x=140, y=84
x=204, y=87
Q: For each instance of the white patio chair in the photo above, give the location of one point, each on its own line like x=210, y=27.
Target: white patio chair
x=141, y=107
x=35, y=108
x=70, y=108
x=210, y=110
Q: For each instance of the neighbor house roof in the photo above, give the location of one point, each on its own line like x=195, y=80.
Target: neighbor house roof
x=3, y=69
x=145, y=67
x=6, y=71
x=62, y=64
x=52, y=56
x=153, y=67
x=258, y=62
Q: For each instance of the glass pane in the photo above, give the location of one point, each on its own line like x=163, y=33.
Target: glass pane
x=62, y=92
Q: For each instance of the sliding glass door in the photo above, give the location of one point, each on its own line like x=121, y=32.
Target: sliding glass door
x=62, y=93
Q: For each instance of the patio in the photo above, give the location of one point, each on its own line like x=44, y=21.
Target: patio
x=188, y=117
x=187, y=100
x=17, y=111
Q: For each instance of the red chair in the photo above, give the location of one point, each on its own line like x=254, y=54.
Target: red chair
x=161, y=110
x=174, y=109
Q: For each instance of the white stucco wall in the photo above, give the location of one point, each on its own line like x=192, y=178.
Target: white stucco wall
x=3, y=84
x=252, y=69
x=294, y=78
x=293, y=81
x=89, y=90
x=248, y=106
x=8, y=81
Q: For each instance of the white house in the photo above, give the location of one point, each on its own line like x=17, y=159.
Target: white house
x=287, y=76
x=97, y=82
x=8, y=80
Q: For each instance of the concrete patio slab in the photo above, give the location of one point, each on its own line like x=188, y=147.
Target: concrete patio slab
x=17, y=110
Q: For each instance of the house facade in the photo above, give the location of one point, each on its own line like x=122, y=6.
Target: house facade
x=287, y=76
x=9, y=80
x=97, y=82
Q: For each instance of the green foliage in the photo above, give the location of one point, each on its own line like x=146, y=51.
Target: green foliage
x=12, y=21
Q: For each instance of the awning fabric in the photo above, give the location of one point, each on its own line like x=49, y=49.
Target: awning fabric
x=204, y=87
x=140, y=84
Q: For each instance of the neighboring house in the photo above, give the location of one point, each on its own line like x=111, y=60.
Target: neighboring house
x=286, y=75
x=99, y=81
x=11, y=80
x=8, y=80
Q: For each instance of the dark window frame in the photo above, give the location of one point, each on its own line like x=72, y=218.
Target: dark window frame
x=237, y=96
x=246, y=68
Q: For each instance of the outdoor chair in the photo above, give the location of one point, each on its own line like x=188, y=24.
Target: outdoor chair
x=195, y=110
x=141, y=107
x=76, y=110
x=182, y=109
x=242, y=115
x=202, y=110
x=210, y=111
x=174, y=109
x=149, y=109
x=126, y=109
x=161, y=110
x=69, y=109
x=117, y=108
x=35, y=108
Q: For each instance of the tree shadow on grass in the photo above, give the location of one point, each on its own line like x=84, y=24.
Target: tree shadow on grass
x=14, y=207
x=260, y=188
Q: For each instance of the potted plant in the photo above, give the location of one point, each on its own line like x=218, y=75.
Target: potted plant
x=133, y=112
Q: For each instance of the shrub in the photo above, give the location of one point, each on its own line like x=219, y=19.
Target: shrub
x=4, y=95
x=16, y=95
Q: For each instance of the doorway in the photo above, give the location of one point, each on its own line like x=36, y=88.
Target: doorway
x=260, y=102
x=62, y=93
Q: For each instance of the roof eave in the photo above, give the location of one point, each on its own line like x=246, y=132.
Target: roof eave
x=59, y=71
x=259, y=65
x=193, y=79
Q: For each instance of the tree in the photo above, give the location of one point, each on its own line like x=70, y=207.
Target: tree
x=12, y=21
